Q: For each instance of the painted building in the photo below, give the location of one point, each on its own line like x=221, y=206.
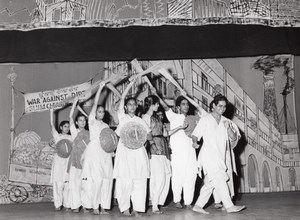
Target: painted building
x=250, y=8
x=285, y=10
x=56, y=10
x=210, y=8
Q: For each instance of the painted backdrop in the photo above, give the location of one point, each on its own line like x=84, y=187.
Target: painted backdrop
x=37, y=14
x=260, y=89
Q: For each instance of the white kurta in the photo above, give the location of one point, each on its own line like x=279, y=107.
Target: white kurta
x=131, y=170
x=97, y=170
x=183, y=160
x=131, y=164
x=59, y=175
x=216, y=157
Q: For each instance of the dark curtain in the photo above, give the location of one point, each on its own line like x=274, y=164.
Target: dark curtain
x=163, y=42
x=144, y=43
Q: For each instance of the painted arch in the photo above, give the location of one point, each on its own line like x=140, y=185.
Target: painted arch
x=266, y=177
x=278, y=178
x=292, y=179
x=253, y=174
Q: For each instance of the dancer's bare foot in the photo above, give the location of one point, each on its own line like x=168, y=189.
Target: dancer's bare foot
x=135, y=214
x=76, y=210
x=103, y=212
x=218, y=205
x=235, y=208
x=178, y=205
x=127, y=212
x=58, y=208
x=155, y=210
x=188, y=206
x=163, y=207
x=199, y=210
x=85, y=210
x=96, y=212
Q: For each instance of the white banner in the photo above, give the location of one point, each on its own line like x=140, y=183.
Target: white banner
x=54, y=99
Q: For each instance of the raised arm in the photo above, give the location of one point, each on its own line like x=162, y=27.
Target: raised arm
x=168, y=76
x=53, y=129
x=72, y=111
x=161, y=101
x=132, y=80
x=201, y=111
x=93, y=111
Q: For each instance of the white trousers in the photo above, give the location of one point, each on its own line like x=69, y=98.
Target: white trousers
x=74, y=198
x=134, y=190
x=60, y=194
x=96, y=192
x=159, y=179
x=217, y=198
x=185, y=183
x=221, y=191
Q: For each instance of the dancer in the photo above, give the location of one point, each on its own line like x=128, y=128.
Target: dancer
x=131, y=168
x=216, y=156
x=160, y=167
x=97, y=179
x=183, y=162
x=75, y=171
x=59, y=165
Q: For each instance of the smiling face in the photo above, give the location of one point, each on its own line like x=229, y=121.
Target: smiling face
x=220, y=108
x=65, y=128
x=100, y=112
x=184, y=107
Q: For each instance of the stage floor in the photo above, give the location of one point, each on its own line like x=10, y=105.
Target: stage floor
x=273, y=206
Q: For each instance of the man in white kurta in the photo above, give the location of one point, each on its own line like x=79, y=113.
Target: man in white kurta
x=183, y=161
x=216, y=159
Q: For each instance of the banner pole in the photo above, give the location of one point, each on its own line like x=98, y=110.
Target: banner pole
x=12, y=76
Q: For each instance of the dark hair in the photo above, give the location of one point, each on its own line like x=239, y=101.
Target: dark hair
x=179, y=100
x=150, y=100
x=106, y=117
x=162, y=110
x=98, y=106
x=61, y=124
x=128, y=99
x=81, y=115
x=216, y=100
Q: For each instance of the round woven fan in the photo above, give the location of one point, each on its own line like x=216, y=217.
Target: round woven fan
x=133, y=135
x=82, y=139
x=64, y=148
x=79, y=145
x=108, y=140
x=191, y=121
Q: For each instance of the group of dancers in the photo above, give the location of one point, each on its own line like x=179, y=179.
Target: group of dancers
x=84, y=180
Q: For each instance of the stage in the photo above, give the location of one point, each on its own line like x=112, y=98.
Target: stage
x=281, y=206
